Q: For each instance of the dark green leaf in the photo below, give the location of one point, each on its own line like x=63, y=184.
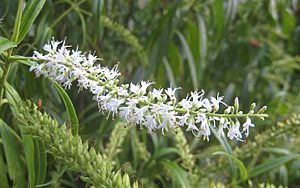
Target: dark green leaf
x=3, y=172
x=18, y=22
x=13, y=157
x=178, y=174
x=31, y=11
x=6, y=44
x=271, y=164
x=240, y=164
x=70, y=109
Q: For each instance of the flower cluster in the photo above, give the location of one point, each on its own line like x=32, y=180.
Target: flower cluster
x=136, y=103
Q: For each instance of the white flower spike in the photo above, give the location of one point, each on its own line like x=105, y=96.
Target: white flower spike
x=135, y=103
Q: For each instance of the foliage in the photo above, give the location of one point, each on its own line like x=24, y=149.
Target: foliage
x=241, y=48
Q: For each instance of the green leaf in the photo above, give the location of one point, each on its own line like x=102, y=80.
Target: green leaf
x=271, y=164
x=31, y=11
x=6, y=44
x=36, y=158
x=219, y=21
x=241, y=166
x=40, y=161
x=70, y=109
x=231, y=11
x=202, y=40
x=169, y=72
x=35, y=154
x=3, y=172
x=23, y=60
x=12, y=153
x=190, y=60
x=17, y=25
x=29, y=156
x=223, y=141
x=179, y=175
x=12, y=96
x=164, y=151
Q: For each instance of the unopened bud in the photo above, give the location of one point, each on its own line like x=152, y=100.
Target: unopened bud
x=262, y=110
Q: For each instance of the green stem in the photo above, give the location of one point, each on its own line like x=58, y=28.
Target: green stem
x=6, y=68
x=20, y=58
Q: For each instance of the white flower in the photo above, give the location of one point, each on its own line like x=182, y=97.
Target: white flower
x=186, y=104
x=247, y=125
x=222, y=126
x=205, y=130
x=183, y=119
x=163, y=126
x=216, y=102
x=144, y=86
x=102, y=101
x=197, y=98
x=171, y=93
x=110, y=74
x=157, y=93
x=37, y=55
x=122, y=91
x=234, y=132
x=192, y=127
x=90, y=60
x=134, y=88
x=113, y=104
x=96, y=89
x=68, y=84
x=126, y=112
x=200, y=117
x=139, y=115
x=168, y=118
x=206, y=104
x=151, y=123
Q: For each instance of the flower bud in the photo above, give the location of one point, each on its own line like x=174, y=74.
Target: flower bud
x=262, y=110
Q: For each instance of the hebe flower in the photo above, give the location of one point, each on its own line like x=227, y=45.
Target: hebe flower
x=136, y=103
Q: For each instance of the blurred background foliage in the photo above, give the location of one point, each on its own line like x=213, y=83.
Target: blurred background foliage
x=248, y=49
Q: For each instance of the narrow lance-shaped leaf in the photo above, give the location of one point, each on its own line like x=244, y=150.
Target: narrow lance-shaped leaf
x=70, y=109
x=31, y=11
x=18, y=19
x=3, y=170
x=190, y=60
x=271, y=164
x=13, y=157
